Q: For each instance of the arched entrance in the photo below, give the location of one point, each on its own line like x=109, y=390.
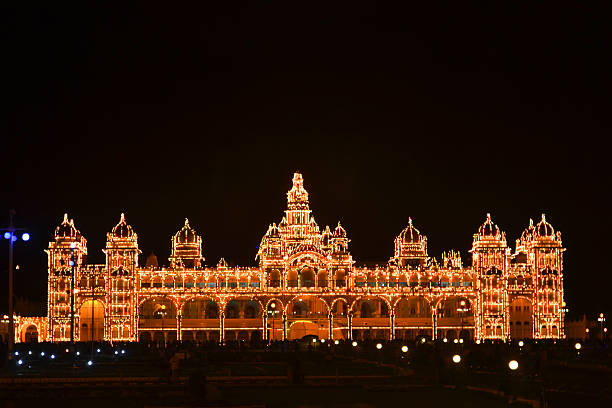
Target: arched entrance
x=92, y=321
x=521, y=319
x=307, y=315
x=30, y=334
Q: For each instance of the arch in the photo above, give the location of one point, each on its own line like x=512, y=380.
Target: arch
x=274, y=278
x=307, y=277
x=521, y=318
x=322, y=279
x=29, y=333
x=157, y=308
x=252, y=310
x=340, y=278
x=198, y=307
x=292, y=279
x=232, y=310
x=382, y=305
x=92, y=320
x=412, y=307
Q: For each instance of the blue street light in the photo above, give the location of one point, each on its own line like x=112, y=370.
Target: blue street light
x=14, y=238
x=25, y=236
x=7, y=235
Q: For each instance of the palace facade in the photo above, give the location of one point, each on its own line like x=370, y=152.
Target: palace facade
x=306, y=283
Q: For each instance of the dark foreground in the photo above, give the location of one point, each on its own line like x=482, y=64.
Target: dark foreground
x=308, y=374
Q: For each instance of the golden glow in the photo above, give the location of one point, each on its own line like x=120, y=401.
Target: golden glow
x=306, y=282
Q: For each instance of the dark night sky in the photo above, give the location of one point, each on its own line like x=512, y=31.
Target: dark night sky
x=442, y=115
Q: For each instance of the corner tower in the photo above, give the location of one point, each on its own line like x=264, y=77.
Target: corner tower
x=490, y=255
x=121, y=264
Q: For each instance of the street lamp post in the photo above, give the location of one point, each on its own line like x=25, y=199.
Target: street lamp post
x=601, y=319
x=163, y=314
x=273, y=312
x=9, y=233
x=462, y=309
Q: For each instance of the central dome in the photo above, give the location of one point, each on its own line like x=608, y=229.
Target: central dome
x=410, y=235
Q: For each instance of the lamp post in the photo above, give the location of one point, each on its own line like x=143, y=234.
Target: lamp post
x=462, y=309
x=601, y=319
x=9, y=233
x=272, y=312
x=163, y=314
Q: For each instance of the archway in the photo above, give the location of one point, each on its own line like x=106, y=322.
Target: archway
x=307, y=278
x=322, y=279
x=412, y=314
x=274, y=280
x=312, y=313
x=30, y=334
x=521, y=319
x=292, y=279
x=92, y=321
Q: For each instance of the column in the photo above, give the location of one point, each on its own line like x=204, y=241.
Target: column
x=222, y=326
x=350, y=325
x=392, y=326
x=179, y=335
x=433, y=323
x=265, y=325
x=284, y=325
x=330, y=319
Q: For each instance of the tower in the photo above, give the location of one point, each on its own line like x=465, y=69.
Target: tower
x=543, y=252
x=66, y=256
x=186, y=248
x=490, y=254
x=121, y=264
x=410, y=248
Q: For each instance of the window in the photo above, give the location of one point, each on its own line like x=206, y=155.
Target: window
x=467, y=283
x=371, y=284
x=517, y=308
x=145, y=285
x=254, y=284
x=221, y=284
x=189, y=284
x=360, y=284
x=157, y=284
x=244, y=284
x=424, y=284
x=169, y=284
x=392, y=284
x=233, y=285
x=444, y=284
x=435, y=284
x=201, y=284
x=413, y=284
x=456, y=284
x=403, y=284
x=212, y=285
x=382, y=284
x=178, y=284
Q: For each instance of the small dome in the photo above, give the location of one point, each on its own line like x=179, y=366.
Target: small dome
x=339, y=231
x=66, y=229
x=151, y=261
x=544, y=229
x=488, y=229
x=410, y=234
x=123, y=230
x=186, y=235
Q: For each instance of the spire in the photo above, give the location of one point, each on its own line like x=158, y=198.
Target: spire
x=65, y=218
x=297, y=197
x=187, y=222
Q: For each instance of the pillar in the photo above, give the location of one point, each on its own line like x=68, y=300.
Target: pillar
x=284, y=325
x=392, y=326
x=222, y=326
x=330, y=319
x=179, y=336
x=265, y=325
x=350, y=325
x=434, y=316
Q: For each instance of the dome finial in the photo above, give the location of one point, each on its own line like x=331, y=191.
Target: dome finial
x=65, y=218
x=543, y=217
x=410, y=221
x=186, y=222
x=531, y=222
x=488, y=216
x=122, y=219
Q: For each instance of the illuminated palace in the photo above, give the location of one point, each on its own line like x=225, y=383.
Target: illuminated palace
x=306, y=283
